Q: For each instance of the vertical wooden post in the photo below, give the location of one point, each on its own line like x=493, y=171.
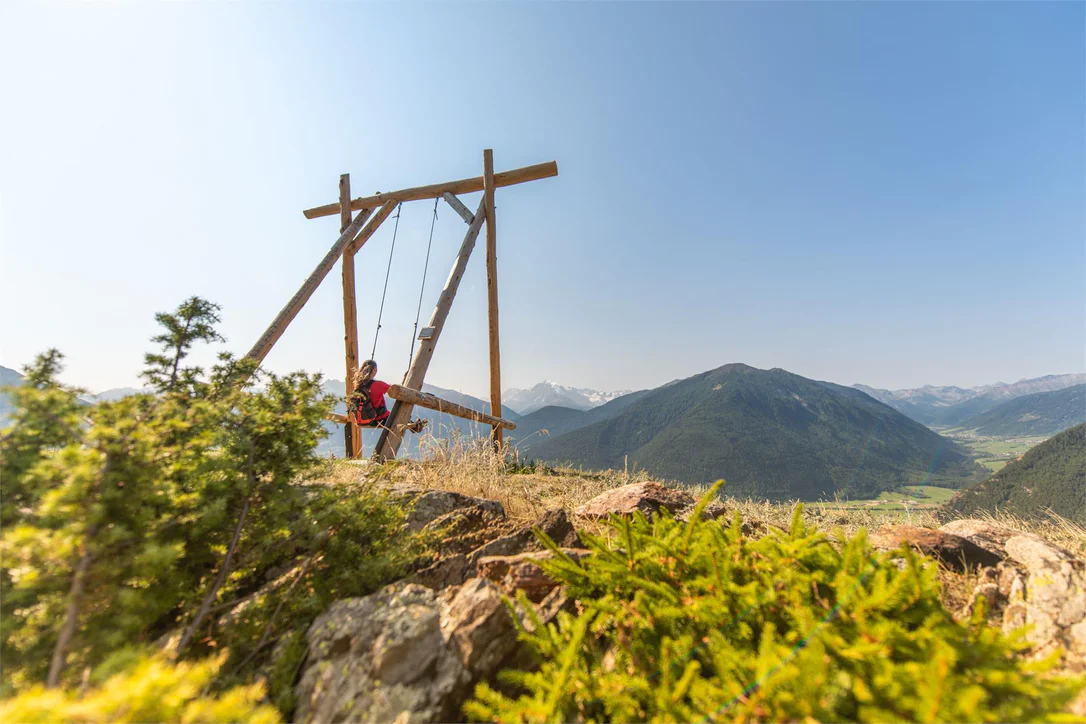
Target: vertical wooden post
x=492, y=294
x=353, y=436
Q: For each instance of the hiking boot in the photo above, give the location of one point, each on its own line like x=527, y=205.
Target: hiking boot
x=416, y=426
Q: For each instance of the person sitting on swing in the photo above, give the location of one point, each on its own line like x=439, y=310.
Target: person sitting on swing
x=366, y=404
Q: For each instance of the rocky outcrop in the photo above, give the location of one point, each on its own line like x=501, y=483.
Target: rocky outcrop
x=406, y=653
x=951, y=550
x=520, y=572
x=1052, y=597
x=991, y=538
x=429, y=505
x=645, y=497
x=452, y=570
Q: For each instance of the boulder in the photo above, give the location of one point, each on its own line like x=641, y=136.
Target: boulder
x=429, y=505
x=555, y=523
x=465, y=529
x=990, y=537
x=520, y=572
x=1053, y=599
x=454, y=569
x=405, y=653
x=450, y=571
x=953, y=551
x=645, y=497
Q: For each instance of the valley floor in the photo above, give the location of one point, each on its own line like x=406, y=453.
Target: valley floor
x=992, y=452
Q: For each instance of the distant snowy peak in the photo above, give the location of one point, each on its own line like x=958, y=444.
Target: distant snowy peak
x=551, y=393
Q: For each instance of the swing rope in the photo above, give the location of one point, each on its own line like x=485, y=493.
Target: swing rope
x=425, y=266
x=381, y=311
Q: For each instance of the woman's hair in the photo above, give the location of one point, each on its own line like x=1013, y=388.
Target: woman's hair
x=365, y=372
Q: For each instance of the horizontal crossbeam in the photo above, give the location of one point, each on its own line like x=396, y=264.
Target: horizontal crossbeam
x=433, y=402
x=463, y=186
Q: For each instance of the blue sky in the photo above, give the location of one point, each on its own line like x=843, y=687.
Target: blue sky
x=882, y=193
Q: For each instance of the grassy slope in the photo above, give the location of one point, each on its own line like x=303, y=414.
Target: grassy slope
x=771, y=434
x=1051, y=476
x=526, y=495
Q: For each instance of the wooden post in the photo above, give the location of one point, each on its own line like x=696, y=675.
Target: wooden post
x=351, y=238
x=350, y=315
x=433, y=402
x=389, y=442
x=463, y=186
x=492, y=295
x=458, y=207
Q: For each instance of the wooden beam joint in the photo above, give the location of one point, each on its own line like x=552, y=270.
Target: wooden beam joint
x=463, y=186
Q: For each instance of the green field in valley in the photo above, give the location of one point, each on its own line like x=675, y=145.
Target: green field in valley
x=992, y=452
x=905, y=498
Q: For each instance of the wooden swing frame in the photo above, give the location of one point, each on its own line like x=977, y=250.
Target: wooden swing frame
x=354, y=233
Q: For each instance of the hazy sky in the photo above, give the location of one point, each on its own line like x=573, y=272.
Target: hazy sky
x=891, y=194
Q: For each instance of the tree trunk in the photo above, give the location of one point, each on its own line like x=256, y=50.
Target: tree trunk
x=224, y=570
x=71, y=616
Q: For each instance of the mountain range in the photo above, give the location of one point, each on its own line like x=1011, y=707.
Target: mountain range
x=950, y=406
x=769, y=433
x=1039, y=414
x=1050, y=476
x=553, y=394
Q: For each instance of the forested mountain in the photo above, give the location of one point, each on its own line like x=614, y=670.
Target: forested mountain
x=1043, y=413
x=770, y=434
x=951, y=406
x=1049, y=476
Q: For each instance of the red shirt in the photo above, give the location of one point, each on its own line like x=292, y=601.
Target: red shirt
x=377, y=393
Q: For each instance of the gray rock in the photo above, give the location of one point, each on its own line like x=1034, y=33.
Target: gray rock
x=645, y=497
x=520, y=572
x=990, y=537
x=555, y=523
x=429, y=505
x=451, y=571
x=952, y=550
x=1033, y=552
x=1048, y=594
x=405, y=653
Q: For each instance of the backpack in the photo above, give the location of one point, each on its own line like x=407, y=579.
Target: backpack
x=359, y=407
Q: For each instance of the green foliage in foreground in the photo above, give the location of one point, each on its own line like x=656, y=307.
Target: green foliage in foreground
x=693, y=622
x=175, y=521
x=154, y=690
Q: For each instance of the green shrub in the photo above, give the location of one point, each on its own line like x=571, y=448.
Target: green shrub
x=694, y=622
x=178, y=519
x=153, y=690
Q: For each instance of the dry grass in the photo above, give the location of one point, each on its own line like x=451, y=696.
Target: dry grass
x=471, y=467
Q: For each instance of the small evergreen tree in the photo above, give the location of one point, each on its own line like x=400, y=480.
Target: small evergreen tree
x=152, y=690
x=694, y=622
x=138, y=522
x=194, y=321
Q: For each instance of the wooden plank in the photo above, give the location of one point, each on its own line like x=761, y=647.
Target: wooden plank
x=353, y=236
x=458, y=207
x=336, y=417
x=463, y=186
x=350, y=315
x=433, y=402
x=492, y=293
x=389, y=441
